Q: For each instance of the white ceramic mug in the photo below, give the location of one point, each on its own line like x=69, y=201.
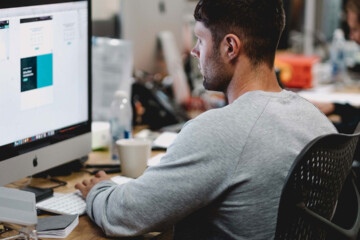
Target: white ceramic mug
x=133, y=155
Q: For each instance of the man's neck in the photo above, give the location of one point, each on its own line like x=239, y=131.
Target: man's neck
x=247, y=78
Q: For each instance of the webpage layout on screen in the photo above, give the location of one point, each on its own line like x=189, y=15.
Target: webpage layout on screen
x=44, y=69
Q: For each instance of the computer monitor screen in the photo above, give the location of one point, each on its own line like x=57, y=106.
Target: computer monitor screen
x=45, y=99
x=141, y=21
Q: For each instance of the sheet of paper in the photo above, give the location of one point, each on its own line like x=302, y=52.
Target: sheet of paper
x=351, y=98
x=328, y=94
x=164, y=140
x=155, y=160
x=120, y=179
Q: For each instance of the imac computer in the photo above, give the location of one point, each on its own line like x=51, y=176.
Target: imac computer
x=141, y=21
x=154, y=25
x=45, y=97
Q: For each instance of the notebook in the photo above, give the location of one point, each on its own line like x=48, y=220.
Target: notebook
x=56, y=226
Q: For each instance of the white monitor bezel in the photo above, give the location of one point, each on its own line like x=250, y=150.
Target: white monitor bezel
x=52, y=151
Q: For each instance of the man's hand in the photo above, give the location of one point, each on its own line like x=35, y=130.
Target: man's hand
x=87, y=184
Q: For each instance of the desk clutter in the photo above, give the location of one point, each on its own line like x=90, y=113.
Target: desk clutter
x=18, y=212
x=56, y=226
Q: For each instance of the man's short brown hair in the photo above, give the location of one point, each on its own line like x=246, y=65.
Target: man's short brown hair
x=258, y=23
x=354, y=6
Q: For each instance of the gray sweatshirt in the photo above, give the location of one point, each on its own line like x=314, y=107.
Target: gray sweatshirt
x=221, y=178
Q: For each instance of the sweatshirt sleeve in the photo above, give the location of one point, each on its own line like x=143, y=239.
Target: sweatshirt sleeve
x=187, y=179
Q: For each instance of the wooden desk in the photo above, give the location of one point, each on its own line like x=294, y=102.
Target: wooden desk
x=86, y=228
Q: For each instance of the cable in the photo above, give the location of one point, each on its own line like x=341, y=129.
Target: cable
x=61, y=183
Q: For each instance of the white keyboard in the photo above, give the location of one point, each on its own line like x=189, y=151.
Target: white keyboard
x=69, y=203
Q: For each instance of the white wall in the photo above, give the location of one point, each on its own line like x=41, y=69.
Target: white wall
x=104, y=9
x=190, y=7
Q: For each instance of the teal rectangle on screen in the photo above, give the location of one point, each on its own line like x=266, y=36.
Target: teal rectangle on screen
x=44, y=70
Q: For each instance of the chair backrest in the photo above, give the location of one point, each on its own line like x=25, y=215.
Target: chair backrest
x=312, y=188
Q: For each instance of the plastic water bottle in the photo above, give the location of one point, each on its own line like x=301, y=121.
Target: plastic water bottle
x=337, y=56
x=120, y=121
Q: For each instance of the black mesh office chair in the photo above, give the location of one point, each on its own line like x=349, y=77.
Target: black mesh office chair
x=313, y=188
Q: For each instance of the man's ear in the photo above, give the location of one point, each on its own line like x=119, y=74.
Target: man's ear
x=232, y=46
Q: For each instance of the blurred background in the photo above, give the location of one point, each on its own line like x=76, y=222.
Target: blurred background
x=143, y=47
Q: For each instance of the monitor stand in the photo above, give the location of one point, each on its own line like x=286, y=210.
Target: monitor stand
x=63, y=170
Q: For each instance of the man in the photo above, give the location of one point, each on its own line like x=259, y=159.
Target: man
x=222, y=177
x=353, y=19
x=350, y=116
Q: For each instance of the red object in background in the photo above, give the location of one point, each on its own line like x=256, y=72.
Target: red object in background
x=296, y=70
x=195, y=104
